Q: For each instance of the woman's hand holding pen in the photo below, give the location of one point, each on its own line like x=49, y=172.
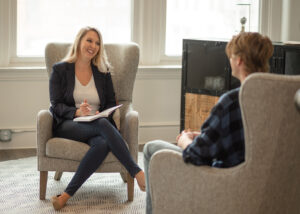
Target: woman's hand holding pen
x=84, y=109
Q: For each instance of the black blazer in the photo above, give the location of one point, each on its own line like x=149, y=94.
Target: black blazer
x=61, y=87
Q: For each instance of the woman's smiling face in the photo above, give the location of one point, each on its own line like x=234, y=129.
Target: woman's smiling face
x=89, y=45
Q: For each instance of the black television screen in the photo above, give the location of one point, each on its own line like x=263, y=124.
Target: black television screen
x=206, y=66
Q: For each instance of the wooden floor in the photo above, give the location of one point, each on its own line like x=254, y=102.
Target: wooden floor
x=12, y=154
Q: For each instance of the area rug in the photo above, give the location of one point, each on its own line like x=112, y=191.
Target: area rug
x=101, y=193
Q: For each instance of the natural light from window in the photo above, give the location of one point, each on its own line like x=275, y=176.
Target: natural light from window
x=207, y=19
x=43, y=21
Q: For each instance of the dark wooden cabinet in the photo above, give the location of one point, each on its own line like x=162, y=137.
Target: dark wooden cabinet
x=206, y=75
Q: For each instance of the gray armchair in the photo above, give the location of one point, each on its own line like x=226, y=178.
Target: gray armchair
x=267, y=182
x=63, y=155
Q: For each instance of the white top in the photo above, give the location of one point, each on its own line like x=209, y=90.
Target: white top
x=88, y=92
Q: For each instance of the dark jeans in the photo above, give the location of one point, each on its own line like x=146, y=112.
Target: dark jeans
x=102, y=137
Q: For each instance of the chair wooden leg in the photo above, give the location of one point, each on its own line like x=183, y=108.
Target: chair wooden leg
x=43, y=184
x=57, y=175
x=124, y=176
x=130, y=187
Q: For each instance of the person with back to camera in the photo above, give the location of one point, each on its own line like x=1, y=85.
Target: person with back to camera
x=220, y=143
x=81, y=85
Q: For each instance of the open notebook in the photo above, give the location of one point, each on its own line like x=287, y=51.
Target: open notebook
x=104, y=113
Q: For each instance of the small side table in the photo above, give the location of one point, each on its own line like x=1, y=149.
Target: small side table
x=297, y=100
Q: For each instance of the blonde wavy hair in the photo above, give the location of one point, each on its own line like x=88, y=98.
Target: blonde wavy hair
x=100, y=59
x=254, y=49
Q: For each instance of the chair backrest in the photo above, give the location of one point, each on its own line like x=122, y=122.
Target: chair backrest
x=272, y=136
x=124, y=59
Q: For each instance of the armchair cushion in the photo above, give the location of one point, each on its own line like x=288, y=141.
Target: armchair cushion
x=70, y=150
x=66, y=149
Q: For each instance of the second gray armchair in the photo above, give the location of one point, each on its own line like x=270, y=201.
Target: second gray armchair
x=268, y=182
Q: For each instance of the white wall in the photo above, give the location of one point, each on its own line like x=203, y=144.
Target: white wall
x=23, y=92
x=280, y=19
x=291, y=20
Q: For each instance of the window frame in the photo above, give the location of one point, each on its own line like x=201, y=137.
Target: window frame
x=148, y=30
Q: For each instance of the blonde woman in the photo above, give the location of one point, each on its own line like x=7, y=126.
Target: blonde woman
x=81, y=85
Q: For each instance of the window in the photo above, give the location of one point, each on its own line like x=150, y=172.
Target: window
x=158, y=26
x=43, y=21
x=213, y=19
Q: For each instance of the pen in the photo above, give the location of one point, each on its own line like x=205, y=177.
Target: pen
x=85, y=102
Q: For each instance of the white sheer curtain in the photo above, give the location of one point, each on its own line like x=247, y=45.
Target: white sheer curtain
x=42, y=21
x=207, y=19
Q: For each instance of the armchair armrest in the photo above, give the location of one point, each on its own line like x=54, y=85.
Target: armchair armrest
x=44, y=131
x=177, y=187
x=129, y=130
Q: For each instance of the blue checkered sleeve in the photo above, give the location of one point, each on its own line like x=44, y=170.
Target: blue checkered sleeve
x=206, y=146
x=221, y=142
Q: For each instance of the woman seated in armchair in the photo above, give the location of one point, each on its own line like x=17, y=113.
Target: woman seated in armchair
x=81, y=85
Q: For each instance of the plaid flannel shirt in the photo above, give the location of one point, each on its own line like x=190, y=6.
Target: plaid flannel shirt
x=221, y=142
